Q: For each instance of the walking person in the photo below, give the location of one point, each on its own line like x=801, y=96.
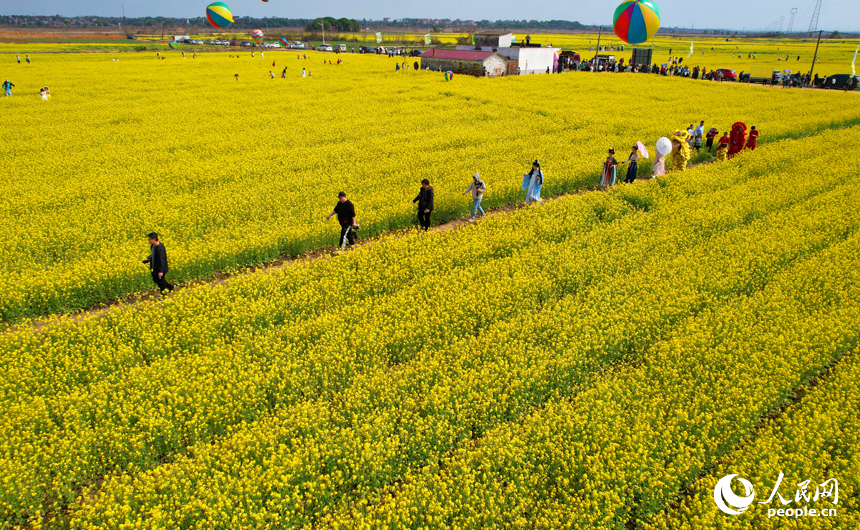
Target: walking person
x=698, y=133
x=157, y=261
x=478, y=188
x=659, y=167
x=345, y=212
x=425, y=204
x=610, y=169
x=8, y=86
x=532, y=183
x=712, y=133
x=723, y=148
x=752, y=139
x=633, y=159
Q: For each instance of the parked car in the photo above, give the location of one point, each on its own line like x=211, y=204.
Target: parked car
x=365, y=49
x=247, y=44
x=728, y=74
x=324, y=48
x=841, y=80
x=415, y=53
x=234, y=43
x=296, y=45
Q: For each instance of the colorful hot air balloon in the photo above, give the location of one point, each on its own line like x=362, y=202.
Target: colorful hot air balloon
x=636, y=21
x=219, y=15
x=284, y=42
x=173, y=45
x=257, y=36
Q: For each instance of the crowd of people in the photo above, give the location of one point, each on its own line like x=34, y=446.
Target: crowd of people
x=683, y=142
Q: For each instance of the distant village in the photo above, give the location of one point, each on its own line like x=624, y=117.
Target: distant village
x=342, y=24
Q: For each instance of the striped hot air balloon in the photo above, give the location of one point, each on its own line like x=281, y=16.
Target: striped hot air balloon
x=219, y=15
x=257, y=36
x=636, y=21
x=284, y=42
x=173, y=45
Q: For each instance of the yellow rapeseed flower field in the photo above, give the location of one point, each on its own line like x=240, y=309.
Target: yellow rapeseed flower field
x=234, y=172
x=573, y=364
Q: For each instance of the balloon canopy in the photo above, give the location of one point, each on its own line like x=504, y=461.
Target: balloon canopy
x=664, y=146
x=283, y=41
x=636, y=21
x=173, y=45
x=219, y=15
x=257, y=36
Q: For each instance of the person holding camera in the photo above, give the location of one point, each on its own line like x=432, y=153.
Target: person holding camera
x=345, y=212
x=157, y=261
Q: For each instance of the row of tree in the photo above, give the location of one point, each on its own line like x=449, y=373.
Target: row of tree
x=343, y=25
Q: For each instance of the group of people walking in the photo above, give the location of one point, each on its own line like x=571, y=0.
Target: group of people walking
x=680, y=147
x=682, y=143
x=345, y=210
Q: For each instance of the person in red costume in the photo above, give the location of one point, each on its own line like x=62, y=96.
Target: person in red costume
x=723, y=148
x=737, y=137
x=753, y=137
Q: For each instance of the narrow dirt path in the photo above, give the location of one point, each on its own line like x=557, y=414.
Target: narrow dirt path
x=153, y=296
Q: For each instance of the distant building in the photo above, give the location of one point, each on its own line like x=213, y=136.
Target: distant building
x=493, y=39
x=473, y=62
x=386, y=19
x=533, y=59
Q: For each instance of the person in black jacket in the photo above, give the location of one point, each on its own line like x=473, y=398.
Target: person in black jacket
x=345, y=212
x=425, y=204
x=158, y=263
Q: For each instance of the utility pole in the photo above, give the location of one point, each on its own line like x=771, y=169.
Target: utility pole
x=814, y=58
x=781, y=19
x=322, y=25
x=791, y=20
x=597, y=50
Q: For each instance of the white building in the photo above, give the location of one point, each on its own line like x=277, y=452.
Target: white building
x=471, y=62
x=530, y=59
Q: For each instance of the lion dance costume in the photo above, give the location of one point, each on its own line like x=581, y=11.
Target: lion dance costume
x=680, y=154
x=737, y=138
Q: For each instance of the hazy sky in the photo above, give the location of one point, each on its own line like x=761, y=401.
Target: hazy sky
x=752, y=14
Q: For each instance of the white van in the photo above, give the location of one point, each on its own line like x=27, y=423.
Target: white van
x=341, y=48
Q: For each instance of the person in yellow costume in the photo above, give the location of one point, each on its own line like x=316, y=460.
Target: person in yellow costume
x=680, y=152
